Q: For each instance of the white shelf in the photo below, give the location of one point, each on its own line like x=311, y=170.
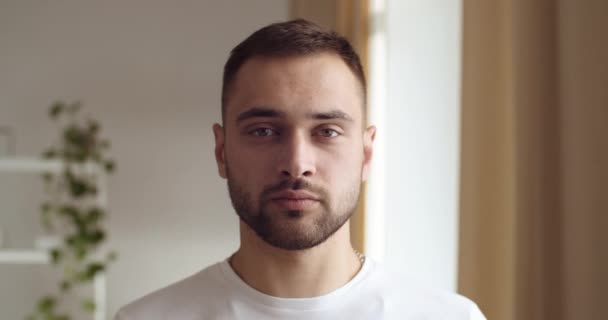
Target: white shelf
x=37, y=165
x=23, y=256
x=37, y=256
x=29, y=165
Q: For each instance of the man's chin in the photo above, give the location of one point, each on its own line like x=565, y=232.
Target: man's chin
x=289, y=232
x=272, y=213
x=293, y=242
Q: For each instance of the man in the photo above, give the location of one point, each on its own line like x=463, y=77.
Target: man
x=294, y=149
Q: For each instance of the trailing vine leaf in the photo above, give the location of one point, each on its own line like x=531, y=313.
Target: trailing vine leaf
x=109, y=166
x=65, y=286
x=88, y=305
x=56, y=109
x=79, y=187
x=94, y=215
x=47, y=304
x=72, y=207
x=49, y=154
x=94, y=268
x=93, y=127
x=56, y=256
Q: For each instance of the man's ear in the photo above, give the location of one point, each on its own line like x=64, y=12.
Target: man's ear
x=220, y=154
x=369, y=135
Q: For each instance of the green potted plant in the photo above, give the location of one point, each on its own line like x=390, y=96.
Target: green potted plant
x=72, y=211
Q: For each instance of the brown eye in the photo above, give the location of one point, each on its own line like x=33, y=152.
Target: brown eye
x=328, y=133
x=263, y=132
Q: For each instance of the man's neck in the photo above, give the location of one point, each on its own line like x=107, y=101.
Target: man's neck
x=296, y=273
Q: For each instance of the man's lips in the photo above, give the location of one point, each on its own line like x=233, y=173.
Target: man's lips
x=294, y=195
x=295, y=200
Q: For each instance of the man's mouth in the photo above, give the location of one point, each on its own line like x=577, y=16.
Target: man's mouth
x=295, y=200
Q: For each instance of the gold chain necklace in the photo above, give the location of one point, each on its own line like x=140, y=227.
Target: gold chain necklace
x=360, y=255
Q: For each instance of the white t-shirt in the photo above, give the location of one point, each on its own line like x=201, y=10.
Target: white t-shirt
x=217, y=292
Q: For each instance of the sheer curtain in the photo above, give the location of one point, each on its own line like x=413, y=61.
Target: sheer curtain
x=534, y=178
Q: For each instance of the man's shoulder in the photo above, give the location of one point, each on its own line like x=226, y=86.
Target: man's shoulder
x=180, y=297
x=407, y=297
x=436, y=303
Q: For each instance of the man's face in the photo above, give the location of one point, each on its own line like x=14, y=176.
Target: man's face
x=293, y=148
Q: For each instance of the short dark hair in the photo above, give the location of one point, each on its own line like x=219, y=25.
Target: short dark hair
x=290, y=38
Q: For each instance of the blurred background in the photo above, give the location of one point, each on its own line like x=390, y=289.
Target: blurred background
x=490, y=174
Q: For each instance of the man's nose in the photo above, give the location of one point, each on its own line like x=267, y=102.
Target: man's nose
x=298, y=157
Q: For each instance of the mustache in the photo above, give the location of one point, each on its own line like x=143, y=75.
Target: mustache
x=294, y=184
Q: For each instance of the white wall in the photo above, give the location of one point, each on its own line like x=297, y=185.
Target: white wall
x=150, y=71
x=418, y=161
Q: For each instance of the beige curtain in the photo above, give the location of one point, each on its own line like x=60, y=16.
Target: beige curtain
x=349, y=18
x=534, y=178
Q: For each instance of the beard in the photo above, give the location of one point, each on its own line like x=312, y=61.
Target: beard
x=286, y=229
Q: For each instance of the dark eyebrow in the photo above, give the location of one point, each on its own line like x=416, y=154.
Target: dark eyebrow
x=265, y=112
x=259, y=112
x=333, y=114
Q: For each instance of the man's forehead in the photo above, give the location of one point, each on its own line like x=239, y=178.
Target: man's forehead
x=304, y=85
x=318, y=67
